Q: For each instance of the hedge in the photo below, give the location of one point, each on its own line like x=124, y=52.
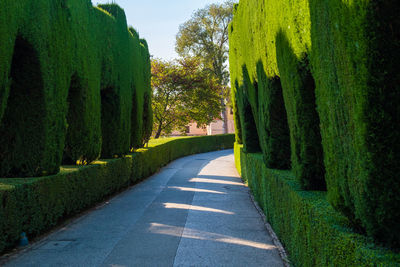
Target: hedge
x=305, y=136
x=35, y=205
x=356, y=50
x=312, y=232
x=68, y=72
x=282, y=98
x=336, y=62
x=247, y=124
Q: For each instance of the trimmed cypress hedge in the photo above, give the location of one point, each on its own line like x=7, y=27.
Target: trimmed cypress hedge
x=35, y=205
x=248, y=126
x=337, y=64
x=306, y=147
x=313, y=233
x=66, y=85
x=356, y=52
x=116, y=79
x=271, y=44
x=33, y=86
x=142, y=93
x=147, y=117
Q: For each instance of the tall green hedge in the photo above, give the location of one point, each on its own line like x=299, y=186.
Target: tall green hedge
x=303, y=118
x=33, y=86
x=83, y=137
x=270, y=40
x=356, y=48
x=142, y=93
x=35, y=205
x=336, y=61
x=148, y=94
x=68, y=73
x=249, y=130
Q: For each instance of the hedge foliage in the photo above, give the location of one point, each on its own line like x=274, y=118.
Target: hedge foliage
x=336, y=63
x=34, y=205
x=69, y=74
x=358, y=100
x=313, y=233
x=279, y=101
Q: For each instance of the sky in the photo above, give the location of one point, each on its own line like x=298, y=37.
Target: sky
x=158, y=20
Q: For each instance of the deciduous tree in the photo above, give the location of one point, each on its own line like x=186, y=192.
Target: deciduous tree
x=205, y=36
x=183, y=92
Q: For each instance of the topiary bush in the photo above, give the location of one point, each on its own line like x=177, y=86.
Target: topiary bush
x=33, y=87
x=147, y=119
x=272, y=120
x=305, y=136
x=83, y=140
x=142, y=91
x=355, y=51
x=336, y=62
x=66, y=85
x=116, y=79
x=249, y=130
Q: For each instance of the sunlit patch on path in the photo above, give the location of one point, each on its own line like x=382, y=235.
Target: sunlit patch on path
x=198, y=208
x=197, y=190
x=214, y=181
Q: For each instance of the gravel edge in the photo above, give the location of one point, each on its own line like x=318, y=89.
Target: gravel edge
x=275, y=239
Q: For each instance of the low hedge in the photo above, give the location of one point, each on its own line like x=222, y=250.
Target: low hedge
x=35, y=205
x=313, y=233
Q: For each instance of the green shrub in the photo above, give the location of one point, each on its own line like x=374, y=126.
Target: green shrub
x=349, y=51
x=66, y=84
x=355, y=53
x=253, y=68
x=147, y=97
x=140, y=88
x=312, y=232
x=234, y=93
x=272, y=123
x=299, y=86
x=248, y=126
x=35, y=205
x=83, y=139
x=33, y=87
x=116, y=79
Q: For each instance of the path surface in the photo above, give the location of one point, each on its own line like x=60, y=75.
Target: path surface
x=194, y=212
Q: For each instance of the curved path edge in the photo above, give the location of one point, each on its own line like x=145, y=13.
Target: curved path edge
x=196, y=211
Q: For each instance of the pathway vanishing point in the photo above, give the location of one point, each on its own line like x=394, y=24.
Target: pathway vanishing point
x=195, y=212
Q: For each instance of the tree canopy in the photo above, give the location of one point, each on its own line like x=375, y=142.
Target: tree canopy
x=183, y=92
x=205, y=35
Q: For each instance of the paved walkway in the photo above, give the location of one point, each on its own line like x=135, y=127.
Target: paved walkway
x=194, y=212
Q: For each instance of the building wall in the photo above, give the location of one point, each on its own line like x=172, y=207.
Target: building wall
x=216, y=127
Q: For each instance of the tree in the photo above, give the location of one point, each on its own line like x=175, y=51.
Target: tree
x=182, y=92
x=205, y=36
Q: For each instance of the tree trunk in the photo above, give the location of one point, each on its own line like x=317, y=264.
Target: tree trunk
x=159, y=130
x=224, y=116
x=225, y=121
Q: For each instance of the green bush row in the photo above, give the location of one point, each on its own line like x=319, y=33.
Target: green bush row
x=313, y=233
x=34, y=205
x=269, y=64
x=73, y=85
x=327, y=69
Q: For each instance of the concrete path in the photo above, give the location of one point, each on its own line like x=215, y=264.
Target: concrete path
x=194, y=212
